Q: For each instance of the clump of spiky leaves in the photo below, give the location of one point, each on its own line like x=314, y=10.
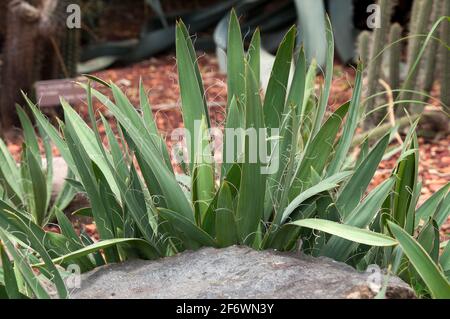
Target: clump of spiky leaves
x=315, y=201
x=28, y=186
x=412, y=89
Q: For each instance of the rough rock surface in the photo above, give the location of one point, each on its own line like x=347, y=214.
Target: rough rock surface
x=234, y=272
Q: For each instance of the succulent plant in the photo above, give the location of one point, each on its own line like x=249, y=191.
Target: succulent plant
x=307, y=194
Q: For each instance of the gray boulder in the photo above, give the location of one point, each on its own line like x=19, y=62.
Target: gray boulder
x=234, y=272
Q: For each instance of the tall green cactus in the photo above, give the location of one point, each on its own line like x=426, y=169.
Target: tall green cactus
x=412, y=22
x=70, y=48
x=445, y=58
x=429, y=66
x=364, y=47
x=423, y=15
x=420, y=26
x=375, y=65
x=395, y=54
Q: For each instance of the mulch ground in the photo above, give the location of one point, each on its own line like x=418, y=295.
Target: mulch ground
x=159, y=76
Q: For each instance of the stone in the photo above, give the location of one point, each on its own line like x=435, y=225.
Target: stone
x=233, y=272
x=60, y=170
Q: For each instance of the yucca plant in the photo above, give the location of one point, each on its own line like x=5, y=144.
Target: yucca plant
x=28, y=186
x=316, y=200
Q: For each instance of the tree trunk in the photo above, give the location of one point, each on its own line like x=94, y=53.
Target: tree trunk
x=27, y=23
x=19, y=49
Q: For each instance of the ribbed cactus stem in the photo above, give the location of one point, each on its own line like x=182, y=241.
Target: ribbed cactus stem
x=445, y=58
x=413, y=25
x=420, y=29
x=71, y=50
x=395, y=53
x=374, y=73
x=364, y=39
x=431, y=53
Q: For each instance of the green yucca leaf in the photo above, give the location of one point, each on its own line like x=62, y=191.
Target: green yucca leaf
x=428, y=238
x=250, y=206
x=226, y=231
x=363, y=152
x=146, y=108
x=97, y=79
x=424, y=265
x=232, y=179
x=298, y=85
x=60, y=245
x=234, y=121
x=37, y=196
x=328, y=79
x=443, y=212
x=150, y=124
x=95, y=130
x=9, y=172
x=254, y=54
x=135, y=121
x=97, y=257
x=90, y=142
x=431, y=205
x=119, y=159
x=340, y=249
x=66, y=227
x=9, y=278
x=151, y=156
x=13, y=220
x=104, y=244
x=317, y=152
x=325, y=185
x=190, y=90
x=406, y=174
x=69, y=233
x=275, y=96
x=27, y=232
x=52, y=134
x=151, y=180
x=203, y=187
x=35, y=240
x=29, y=133
x=444, y=259
x=191, y=235
x=194, y=60
x=307, y=109
x=345, y=141
x=284, y=154
x=235, y=60
x=24, y=268
x=140, y=208
x=89, y=180
x=355, y=234
x=351, y=193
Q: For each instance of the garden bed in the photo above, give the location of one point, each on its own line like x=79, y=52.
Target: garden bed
x=159, y=76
